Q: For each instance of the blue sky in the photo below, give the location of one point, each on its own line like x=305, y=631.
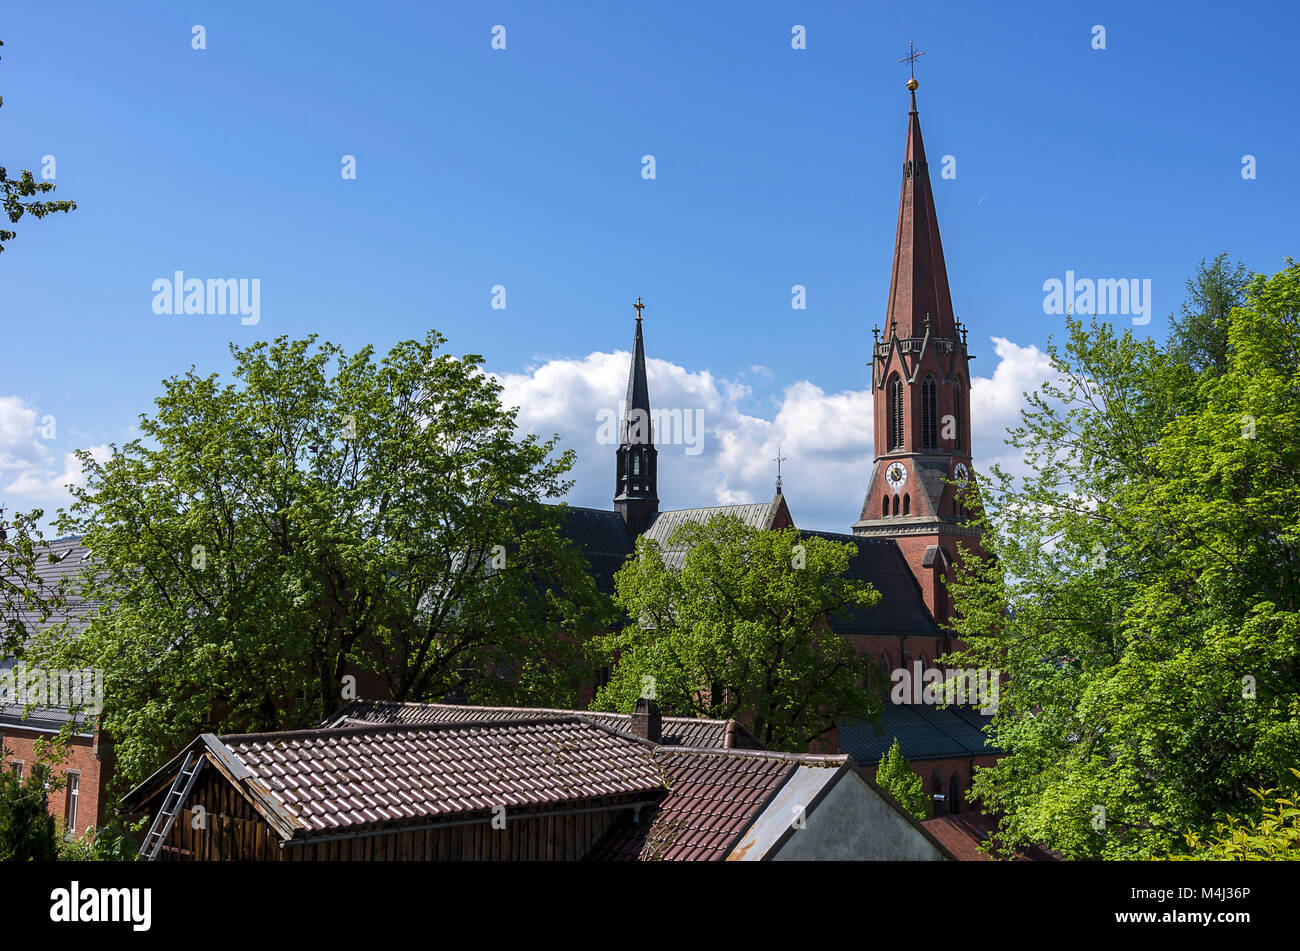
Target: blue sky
x=522, y=167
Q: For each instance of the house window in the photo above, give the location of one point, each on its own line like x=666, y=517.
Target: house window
x=929, y=414
x=17, y=767
x=74, y=796
x=894, y=410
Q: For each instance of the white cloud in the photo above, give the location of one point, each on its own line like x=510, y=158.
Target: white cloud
x=30, y=468
x=20, y=445
x=825, y=437
x=40, y=482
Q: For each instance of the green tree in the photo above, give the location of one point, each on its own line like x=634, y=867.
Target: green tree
x=17, y=196
x=1143, y=592
x=323, y=516
x=1199, y=334
x=27, y=830
x=740, y=631
x=1272, y=836
x=896, y=777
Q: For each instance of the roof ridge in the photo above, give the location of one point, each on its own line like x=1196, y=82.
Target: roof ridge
x=440, y=725
x=814, y=759
x=566, y=711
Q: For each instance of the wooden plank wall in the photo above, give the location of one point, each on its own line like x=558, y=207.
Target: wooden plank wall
x=236, y=832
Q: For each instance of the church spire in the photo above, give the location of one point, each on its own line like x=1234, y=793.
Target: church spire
x=918, y=288
x=638, y=390
x=636, y=482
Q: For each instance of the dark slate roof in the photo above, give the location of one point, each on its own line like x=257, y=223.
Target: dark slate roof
x=603, y=540
x=965, y=832
x=923, y=732
x=60, y=559
x=901, y=609
x=353, y=778
x=677, y=731
x=715, y=797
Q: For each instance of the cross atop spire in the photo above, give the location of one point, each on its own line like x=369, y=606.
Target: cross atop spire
x=778, y=460
x=639, y=307
x=910, y=59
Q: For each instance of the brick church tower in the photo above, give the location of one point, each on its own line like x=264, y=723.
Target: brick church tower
x=921, y=389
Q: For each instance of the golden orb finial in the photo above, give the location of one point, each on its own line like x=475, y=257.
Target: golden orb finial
x=912, y=84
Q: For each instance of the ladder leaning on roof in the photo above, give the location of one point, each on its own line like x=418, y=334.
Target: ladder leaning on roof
x=162, y=823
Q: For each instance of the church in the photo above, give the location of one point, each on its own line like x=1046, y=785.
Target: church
x=913, y=524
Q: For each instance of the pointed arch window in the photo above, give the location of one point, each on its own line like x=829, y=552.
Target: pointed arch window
x=894, y=411
x=895, y=505
x=929, y=414
x=956, y=410
x=884, y=507
x=907, y=505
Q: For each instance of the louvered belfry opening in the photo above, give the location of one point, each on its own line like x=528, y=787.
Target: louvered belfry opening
x=929, y=414
x=895, y=410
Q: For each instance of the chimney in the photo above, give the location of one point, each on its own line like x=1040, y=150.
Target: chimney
x=729, y=736
x=646, y=721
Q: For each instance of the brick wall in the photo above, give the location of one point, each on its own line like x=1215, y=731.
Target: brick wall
x=83, y=758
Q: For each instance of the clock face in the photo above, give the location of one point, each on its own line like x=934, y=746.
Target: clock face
x=896, y=475
x=960, y=473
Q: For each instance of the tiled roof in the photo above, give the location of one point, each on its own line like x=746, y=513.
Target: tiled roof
x=923, y=731
x=677, y=731
x=965, y=832
x=714, y=798
x=341, y=779
x=901, y=609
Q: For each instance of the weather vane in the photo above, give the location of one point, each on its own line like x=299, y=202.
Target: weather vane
x=778, y=460
x=639, y=307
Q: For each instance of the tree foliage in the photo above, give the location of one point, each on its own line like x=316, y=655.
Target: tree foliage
x=27, y=830
x=17, y=195
x=1199, y=334
x=1143, y=596
x=324, y=516
x=1272, y=836
x=896, y=777
x=739, y=631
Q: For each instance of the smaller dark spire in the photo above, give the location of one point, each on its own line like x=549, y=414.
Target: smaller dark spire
x=636, y=489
